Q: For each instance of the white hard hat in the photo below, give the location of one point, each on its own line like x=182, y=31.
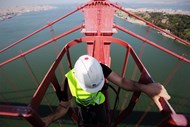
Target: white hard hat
x=89, y=74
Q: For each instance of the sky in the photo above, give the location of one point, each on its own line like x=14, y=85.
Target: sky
x=6, y=3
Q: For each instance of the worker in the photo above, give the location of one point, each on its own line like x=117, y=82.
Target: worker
x=85, y=83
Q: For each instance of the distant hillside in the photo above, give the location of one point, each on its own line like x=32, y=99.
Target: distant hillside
x=177, y=24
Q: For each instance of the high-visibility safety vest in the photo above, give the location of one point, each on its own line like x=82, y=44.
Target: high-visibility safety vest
x=83, y=97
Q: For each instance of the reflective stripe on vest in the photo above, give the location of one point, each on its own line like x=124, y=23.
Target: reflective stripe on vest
x=83, y=97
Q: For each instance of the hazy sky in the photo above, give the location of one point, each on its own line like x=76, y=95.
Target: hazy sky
x=5, y=3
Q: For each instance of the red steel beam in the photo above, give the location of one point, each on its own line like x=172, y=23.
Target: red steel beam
x=151, y=24
x=15, y=111
x=145, y=77
x=175, y=119
x=41, y=45
x=41, y=90
x=98, y=17
x=153, y=44
x=47, y=80
x=40, y=29
x=99, y=49
x=22, y=111
x=179, y=120
x=32, y=116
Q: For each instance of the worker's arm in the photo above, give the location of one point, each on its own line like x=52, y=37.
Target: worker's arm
x=153, y=90
x=60, y=111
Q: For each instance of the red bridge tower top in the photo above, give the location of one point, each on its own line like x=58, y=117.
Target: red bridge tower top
x=98, y=15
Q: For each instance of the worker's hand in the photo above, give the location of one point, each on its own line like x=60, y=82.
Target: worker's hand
x=155, y=91
x=47, y=121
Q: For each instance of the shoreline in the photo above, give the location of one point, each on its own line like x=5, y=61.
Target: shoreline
x=154, y=10
x=145, y=11
x=126, y=17
x=8, y=13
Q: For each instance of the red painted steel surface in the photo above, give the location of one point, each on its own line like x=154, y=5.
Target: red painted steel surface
x=98, y=28
x=98, y=18
x=22, y=111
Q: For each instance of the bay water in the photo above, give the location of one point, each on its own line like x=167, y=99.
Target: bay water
x=17, y=86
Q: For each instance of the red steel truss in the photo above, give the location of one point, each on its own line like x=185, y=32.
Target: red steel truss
x=98, y=29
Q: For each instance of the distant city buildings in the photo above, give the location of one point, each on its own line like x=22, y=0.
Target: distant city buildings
x=7, y=13
x=167, y=11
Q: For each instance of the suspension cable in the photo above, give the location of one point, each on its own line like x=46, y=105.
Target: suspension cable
x=41, y=45
x=153, y=44
x=136, y=68
x=151, y=24
x=42, y=28
x=52, y=31
x=35, y=79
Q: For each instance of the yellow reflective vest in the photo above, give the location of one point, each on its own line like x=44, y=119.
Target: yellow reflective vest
x=83, y=97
